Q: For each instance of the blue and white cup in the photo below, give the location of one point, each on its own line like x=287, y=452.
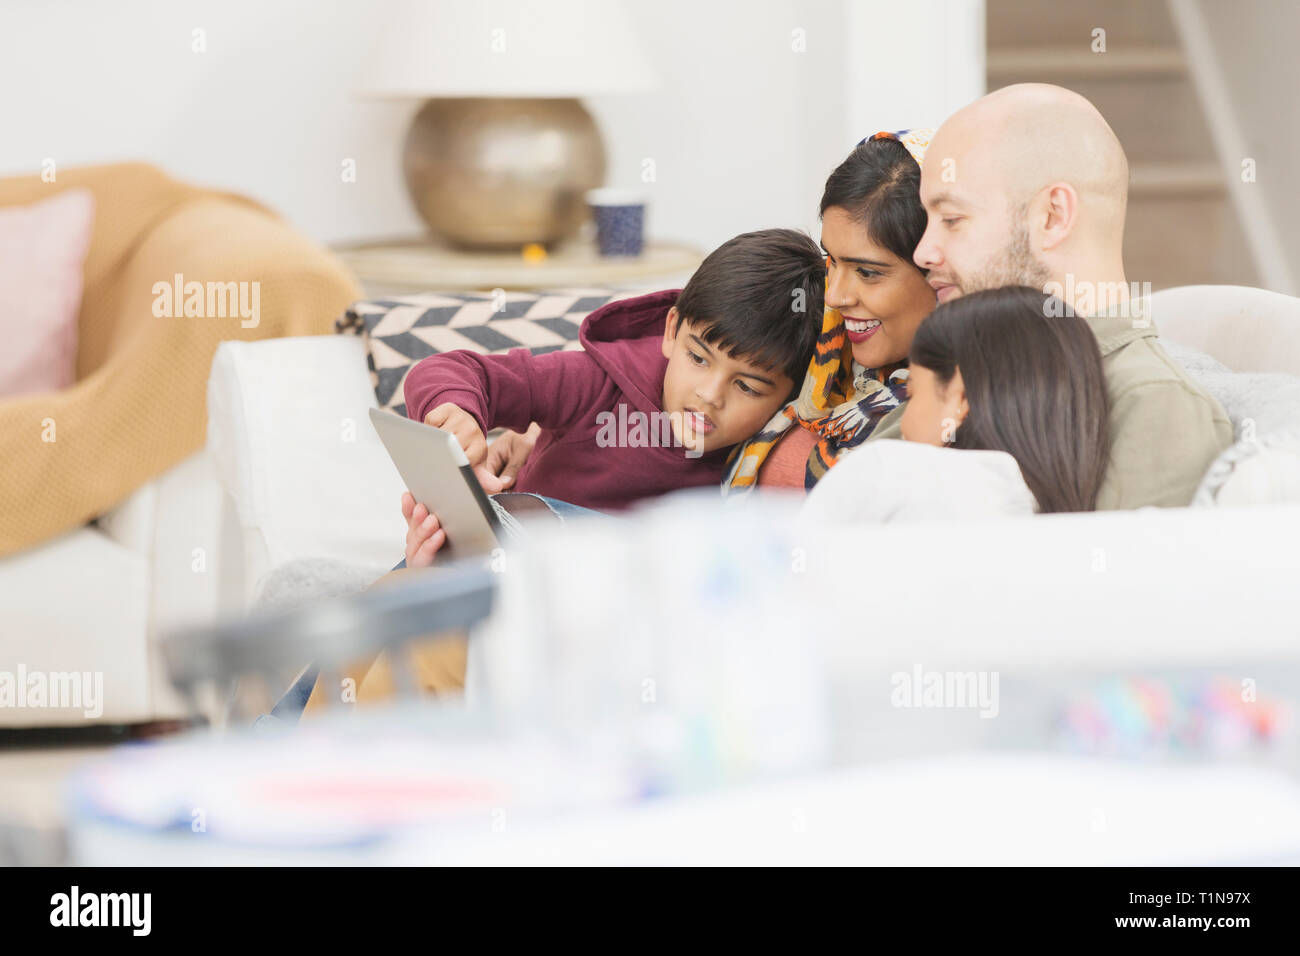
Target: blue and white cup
x=620, y=221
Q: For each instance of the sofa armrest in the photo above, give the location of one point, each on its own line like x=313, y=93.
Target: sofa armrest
x=299, y=461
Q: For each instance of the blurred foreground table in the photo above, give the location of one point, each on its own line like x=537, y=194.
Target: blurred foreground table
x=419, y=785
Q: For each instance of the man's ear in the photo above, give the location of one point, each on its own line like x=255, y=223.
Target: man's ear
x=1058, y=214
x=670, y=332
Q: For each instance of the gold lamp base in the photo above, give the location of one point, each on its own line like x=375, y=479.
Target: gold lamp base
x=503, y=173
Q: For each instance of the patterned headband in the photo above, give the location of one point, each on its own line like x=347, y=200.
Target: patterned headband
x=916, y=141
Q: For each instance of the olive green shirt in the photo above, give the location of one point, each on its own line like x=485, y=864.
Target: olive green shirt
x=1165, y=430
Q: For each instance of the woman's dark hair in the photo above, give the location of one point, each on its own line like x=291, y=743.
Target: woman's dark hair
x=1034, y=383
x=760, y=296
x=879, y=186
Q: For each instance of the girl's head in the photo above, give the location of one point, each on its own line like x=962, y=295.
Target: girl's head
x=1014, y=370
x=872, y=220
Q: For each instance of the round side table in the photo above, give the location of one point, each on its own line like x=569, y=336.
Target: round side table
x=404, y=266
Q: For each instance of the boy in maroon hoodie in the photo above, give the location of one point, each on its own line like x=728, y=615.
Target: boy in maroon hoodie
x=664, y=387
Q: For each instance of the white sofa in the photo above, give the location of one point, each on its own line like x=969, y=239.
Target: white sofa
x=294, y=472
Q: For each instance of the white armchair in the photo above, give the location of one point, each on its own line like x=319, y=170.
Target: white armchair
x=293, y=478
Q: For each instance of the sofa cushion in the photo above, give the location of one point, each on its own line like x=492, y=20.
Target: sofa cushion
x=1256, y=470
x=1257, y=403
x=42, y=251
x=1263, y=466
x=401, y=331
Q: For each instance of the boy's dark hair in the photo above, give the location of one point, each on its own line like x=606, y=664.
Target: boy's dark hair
x=879, y=186
x=1034, y=381
x=760, y=297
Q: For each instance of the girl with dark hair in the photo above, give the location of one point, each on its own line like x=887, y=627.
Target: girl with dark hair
x=1014, y=370
x=1013, y=379
x=876, y=297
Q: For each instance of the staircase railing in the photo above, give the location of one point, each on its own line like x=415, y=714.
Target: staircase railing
x=1258, y=224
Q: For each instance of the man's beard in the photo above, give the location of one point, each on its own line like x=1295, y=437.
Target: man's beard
x=1015, y=265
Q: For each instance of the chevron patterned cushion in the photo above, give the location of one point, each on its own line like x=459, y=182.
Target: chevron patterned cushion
x=400, y=331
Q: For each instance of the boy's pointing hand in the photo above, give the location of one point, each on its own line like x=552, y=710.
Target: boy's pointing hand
x=454, y=419
x=505, y=457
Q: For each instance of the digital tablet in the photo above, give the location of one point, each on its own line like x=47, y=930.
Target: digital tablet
x=440, y=477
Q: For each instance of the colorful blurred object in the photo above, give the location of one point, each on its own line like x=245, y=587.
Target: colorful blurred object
x=1144, y=715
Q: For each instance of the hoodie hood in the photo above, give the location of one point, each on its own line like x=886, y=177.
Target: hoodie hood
x=614, y=337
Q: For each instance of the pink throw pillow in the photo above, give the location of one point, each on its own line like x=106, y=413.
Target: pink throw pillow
x=42, y=250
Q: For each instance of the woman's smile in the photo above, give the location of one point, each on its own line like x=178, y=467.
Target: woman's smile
x=859, y=330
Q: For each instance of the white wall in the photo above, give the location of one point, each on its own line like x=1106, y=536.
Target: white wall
x=745, y=128
x=742, y=134
x=911, y=64
x=267, y=110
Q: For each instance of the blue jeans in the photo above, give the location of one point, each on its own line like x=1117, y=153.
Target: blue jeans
x=566, y=510
x=561, y=509
x=290, y=705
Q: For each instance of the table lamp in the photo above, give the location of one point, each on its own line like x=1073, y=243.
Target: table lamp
x=502, y=152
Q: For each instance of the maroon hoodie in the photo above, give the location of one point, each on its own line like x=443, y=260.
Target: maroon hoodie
x=565, y=391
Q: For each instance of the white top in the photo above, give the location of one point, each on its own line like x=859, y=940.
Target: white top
x=890, y=480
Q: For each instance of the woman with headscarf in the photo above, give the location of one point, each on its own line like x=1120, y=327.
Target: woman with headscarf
x=876, y=297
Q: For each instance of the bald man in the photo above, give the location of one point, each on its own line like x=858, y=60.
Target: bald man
x=1028, y=186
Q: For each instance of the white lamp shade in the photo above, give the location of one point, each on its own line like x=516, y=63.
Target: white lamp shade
x=508, y=48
